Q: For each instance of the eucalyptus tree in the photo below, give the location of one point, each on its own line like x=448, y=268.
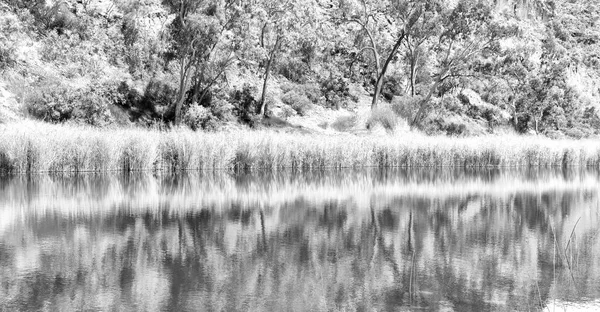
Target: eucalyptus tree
x=203, y=41
x=465, y=31
x=277, y=27
x=382, y=27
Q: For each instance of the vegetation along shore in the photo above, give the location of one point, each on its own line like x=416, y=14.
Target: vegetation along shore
x=35, y=147
x=297, y=85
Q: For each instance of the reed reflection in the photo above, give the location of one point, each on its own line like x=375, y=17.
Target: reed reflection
x=370, y=240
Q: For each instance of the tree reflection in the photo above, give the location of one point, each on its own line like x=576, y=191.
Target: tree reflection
x=504, y=250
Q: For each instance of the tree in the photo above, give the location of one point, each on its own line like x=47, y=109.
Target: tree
x=466, y=30
x=383, y=28
x=202, y=43
x=417, y=41
x=546, y=99
x=278, y=27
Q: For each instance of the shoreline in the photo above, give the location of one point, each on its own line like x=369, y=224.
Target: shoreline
x=28, y=147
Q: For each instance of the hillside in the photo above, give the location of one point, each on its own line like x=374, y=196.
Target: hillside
x=465, y=67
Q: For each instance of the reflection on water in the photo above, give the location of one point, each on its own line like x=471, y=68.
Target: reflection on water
x=368, y=240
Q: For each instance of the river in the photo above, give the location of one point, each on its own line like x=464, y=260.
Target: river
x=370, y=240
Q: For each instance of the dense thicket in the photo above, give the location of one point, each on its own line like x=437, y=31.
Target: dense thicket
x=442, y=66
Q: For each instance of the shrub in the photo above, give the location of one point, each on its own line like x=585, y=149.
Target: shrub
x=222, y=110
x=93, y=104
x=392, y=87
x=337, y=91
x=298, y=101
x=294, y=70
x=575, y=133
x=51, y=102
x=198, y=117
x=344, y=123
x=287, y=112
x=245, y=106
x=7, y=55
x=454, y=104
x=128, y=96
x=157, y=94
x=383, y=116
x=9, y=31
x=55, y=17
x=58, y=103
x=406, y=106
x=313, y=93
x=451, y=125
x=310, y=90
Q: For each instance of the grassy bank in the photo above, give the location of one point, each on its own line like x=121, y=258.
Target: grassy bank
x=29, y=147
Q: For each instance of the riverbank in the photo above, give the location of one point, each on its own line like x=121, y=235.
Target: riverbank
x=35, y=147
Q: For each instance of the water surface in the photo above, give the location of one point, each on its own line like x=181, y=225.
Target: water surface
x=347, y=240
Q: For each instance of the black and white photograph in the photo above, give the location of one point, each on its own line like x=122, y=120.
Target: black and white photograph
x=299, y=155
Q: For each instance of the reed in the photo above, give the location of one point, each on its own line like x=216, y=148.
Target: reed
x=32, y=147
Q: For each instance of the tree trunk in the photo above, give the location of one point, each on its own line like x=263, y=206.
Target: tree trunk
x=263, y=97
x=183, y=78
x=423, y=104
x=381, y=75
x=413, y=73
x=263, y=100
x=514, y=118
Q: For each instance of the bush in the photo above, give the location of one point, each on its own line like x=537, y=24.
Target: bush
x=57, y=103
x=143, y=53
x=576, y=133
x=128, y=96
x=298, y=101
x=245, y=107
x=198, y=117
x=451, y=125
x=310, y=90
x=222, y=110
x=157, y=95
x=337, y=91
x=384, y=116
x=392, y=87
x=9, y=32
x=344, y=123
x=294, y=70
x=406, y=106
x=7, y=55
x=52, y=102
x=56, y=17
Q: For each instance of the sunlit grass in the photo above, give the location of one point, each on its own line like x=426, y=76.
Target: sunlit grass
x=30, y=147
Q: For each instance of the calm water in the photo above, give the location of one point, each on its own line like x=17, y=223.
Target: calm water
x=369, y=240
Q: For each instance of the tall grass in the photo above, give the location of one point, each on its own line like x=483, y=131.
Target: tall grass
x=29, y=147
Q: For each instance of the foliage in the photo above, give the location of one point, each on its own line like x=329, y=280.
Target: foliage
x=309, y=90
x=57, y=103
x=158, y=93
x=7, y=55
x=337, y=91
x=198, y=117
x=185, y=60
x=294, y=70
x=244, y=104
x=405, y=106
x=383, y=116
x=344, y=123
x=298, y=101
x=9, y=33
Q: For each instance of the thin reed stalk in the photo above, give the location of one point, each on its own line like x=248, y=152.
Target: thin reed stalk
x=30, y=147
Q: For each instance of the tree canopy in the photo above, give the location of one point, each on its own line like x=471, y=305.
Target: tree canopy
x=530, y=65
